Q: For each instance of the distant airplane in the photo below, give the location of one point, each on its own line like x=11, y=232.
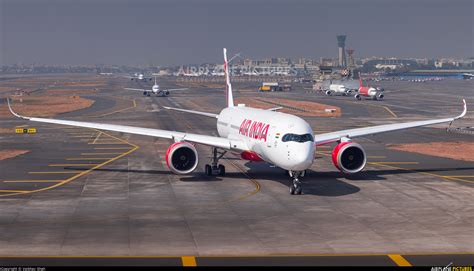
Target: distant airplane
x=468, y=75
x=138, y=77
x=156, y=90
x=284, y=140
x=368, y=91
x=337, y=89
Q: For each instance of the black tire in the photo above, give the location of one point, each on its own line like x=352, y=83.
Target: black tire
x=208, y=170
x=298, y=190
x=292, y=190
x=221, y=170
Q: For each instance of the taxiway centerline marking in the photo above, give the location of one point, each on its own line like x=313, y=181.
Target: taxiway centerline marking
x=14, y=191
x=100, y=153
x=33, y=181
x=188, y=260
x=399, y=260
x=97, y=137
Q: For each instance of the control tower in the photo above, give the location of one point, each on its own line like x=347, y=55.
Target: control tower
x=341, y=43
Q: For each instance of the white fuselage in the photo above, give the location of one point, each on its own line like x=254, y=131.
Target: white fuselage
x=338, y=88
x=155, y=89
x=263, y=132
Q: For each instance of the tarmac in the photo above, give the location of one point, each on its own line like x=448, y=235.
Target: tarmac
x=86, y=197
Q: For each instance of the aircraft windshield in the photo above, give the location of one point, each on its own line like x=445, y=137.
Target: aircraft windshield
x=297, y=138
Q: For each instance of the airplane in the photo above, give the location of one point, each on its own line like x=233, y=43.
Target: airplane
x=467, y=76
x=368, y=91
x=337, y=89
x=138, y=77
x=283, y=140
x=156, y=90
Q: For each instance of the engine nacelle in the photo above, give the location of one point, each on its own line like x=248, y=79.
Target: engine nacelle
x=357, y=97
x=349, y=157
x=380, y=96
x=328, y=92
x=167, y=93
x=182, y=158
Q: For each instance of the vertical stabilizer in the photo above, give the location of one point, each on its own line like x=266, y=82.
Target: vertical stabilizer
x=228, y=86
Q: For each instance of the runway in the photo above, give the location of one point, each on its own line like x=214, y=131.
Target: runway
x=81, y=193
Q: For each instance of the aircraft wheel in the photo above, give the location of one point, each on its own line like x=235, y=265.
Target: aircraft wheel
x=208, y=170
x=298, y=190
x=221, y=170
x=292, y=190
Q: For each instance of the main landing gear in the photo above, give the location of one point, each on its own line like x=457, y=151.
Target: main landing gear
x=295, y=185
x=215, y=168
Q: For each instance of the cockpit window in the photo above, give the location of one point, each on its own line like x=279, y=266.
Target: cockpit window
x=297, y=138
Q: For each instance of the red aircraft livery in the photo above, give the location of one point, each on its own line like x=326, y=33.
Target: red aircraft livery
x=254, y=129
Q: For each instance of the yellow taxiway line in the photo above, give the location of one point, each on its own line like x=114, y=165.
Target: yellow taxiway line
x=188, y=260
x=399, y=260
x=95, y=166
x=33, y=181
x=134, y=104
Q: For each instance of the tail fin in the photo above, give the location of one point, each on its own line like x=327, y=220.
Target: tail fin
x=155, y=79
x=228, y=86
x=360, y=81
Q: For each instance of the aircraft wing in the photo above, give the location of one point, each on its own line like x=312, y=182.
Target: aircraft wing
x=173, y=89
x=213, y=141
x=138, y=89
x=212, y=115
x=327, y=138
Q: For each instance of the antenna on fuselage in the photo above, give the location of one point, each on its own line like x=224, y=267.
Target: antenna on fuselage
x=228, y=86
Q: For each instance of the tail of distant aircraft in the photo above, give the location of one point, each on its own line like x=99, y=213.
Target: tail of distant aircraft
x=228, y=86
x=361, y=83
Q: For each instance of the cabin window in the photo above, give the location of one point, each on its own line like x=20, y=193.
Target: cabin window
x=297, y=138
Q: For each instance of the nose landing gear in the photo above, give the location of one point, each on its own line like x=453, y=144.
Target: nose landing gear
x=215, y=168
x=295, y=185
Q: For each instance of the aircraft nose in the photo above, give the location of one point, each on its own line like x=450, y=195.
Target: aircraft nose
x=302, y=158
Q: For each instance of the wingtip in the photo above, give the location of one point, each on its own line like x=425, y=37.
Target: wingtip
x=13, y=112
x=464, y=111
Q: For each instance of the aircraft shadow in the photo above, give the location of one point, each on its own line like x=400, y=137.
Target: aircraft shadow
x=317, y=183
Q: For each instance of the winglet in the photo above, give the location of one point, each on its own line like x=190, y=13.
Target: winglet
x=15, y=114
x=464, y=110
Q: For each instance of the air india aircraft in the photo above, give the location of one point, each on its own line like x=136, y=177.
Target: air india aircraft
x=284, y=140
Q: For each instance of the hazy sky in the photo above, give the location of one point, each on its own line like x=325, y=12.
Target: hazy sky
x=184, y=31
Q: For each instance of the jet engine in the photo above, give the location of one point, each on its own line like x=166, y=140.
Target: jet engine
x=357, y=97
x=379, y=96
x=349, y=157
x=328, y=92
x=167, y=93
x=182, y=158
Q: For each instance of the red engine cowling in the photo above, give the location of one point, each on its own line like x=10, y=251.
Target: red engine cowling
x=349, y=157
x=182, y=158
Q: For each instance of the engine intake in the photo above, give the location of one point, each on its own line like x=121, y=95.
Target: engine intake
x=182, y=158
x=349, y=157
